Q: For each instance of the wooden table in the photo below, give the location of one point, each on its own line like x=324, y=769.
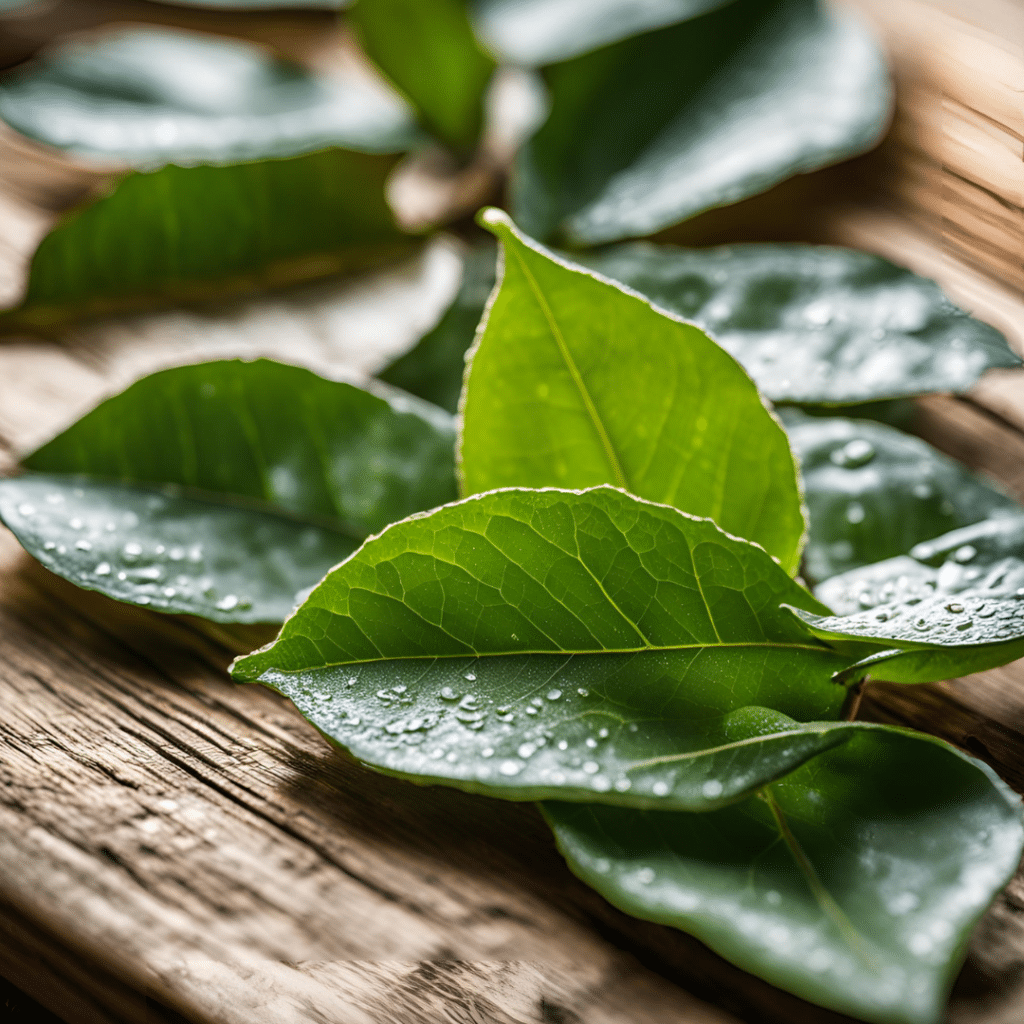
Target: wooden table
x=176, y=847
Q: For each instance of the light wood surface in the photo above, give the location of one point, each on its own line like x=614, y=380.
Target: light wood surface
x=175, y=847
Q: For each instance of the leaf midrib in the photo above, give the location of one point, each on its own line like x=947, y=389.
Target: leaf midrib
x=574, y=373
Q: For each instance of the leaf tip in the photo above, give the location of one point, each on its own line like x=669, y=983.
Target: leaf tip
x=494, y=220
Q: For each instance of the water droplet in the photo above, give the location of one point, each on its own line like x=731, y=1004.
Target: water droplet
x=645, y=876
x=176, y=554
x=600, y=784
x=132, y=550
x=563, y=745
x=855, y=512
x=510, y=768
x=964, y=625
x=711, y=788
x=451, y=757
x=622, y=785
x=49, y=545
x=55, y=499
x=583, y=693
x=122, y=576
x=400, y=688
x=76, y=523
x=865, y=600
x=471, y=676
x=591, y=742
x=103, y=569
x=965, y=553
x=142, y=600
x=602, y=734
x=83, y=545
x=526, y=750
x=954, y=607
x=169, y=592
x=160, y=549
x=660, y=789
x=591, y=767
x=531, y=710
x=487, y=752
x=922, y=624
x=554, y=694
x=506, y=718
x=226, y=603
x=882, y=617
x=854, y=454
x=922, y=491
x=25, y=509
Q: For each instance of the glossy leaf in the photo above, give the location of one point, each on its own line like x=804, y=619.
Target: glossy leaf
x=274, y=473
x=434, y=368
x=527, y=641
x=816, y=324
x=187, y=234
x=848, y=883
x=538, y=32
x=153, y=96
x=428, y=50
x=575, y=382
x=954, y=605
x=652, y=130
x=873, y=492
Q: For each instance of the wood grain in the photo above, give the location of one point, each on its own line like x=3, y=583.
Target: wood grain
x=175, y=847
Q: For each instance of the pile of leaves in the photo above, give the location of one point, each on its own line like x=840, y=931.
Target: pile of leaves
x=552, y=554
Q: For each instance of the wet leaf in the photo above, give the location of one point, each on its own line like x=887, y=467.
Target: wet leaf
x=575, y=382
x=873, y=492
x=428, y=50
x=524, y=642
x=652, y=130
x=848, y=883
x=816, y=324
x=434, y=368
x=538, y=32
x=954, y=605
x=292, y=210
x=224, y=489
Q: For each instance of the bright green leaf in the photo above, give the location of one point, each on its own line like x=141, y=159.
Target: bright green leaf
x=270, y=472
x=538, y=32
x=262, y=5
x=652, y=130
x=526, y=641
x=428, y=50
x=850, y=883
x=873, y=492
x=434, y=368
x=575, y=382
x=816, y=324
x=955, y=605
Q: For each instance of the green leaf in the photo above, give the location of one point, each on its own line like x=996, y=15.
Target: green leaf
x=187, y=234
x=261, y=5
x=849, y=883
x=524, y=642
x=152, y=96
x=955, y=605
x=538, y=32
x=652, y=130
x=294, y=209
x=434, y=368
x=816, y=324
x=873, y=492
x=272, y=472
x=428, y=50
x=575, y=382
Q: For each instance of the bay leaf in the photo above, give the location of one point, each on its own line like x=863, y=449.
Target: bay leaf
x=225, y=489
x=524, y=642
x=814, y=324
x=427, y=49
x=652, y=130
x=576, y=382
x=873, y=492
x=537, y=32
x=953, y=606
x=848, y=883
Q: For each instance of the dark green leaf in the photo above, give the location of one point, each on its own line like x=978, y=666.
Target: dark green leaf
x=575, y=382
x=290, y=470
x=435, y=367
x=189, y=232
x=527, y=641
x=538, y=32
x=848, y=883
x=427, y=49
x=955, y=605
x=652, y=130
x=154, y=96
x=873, y=492
x=816, y=324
